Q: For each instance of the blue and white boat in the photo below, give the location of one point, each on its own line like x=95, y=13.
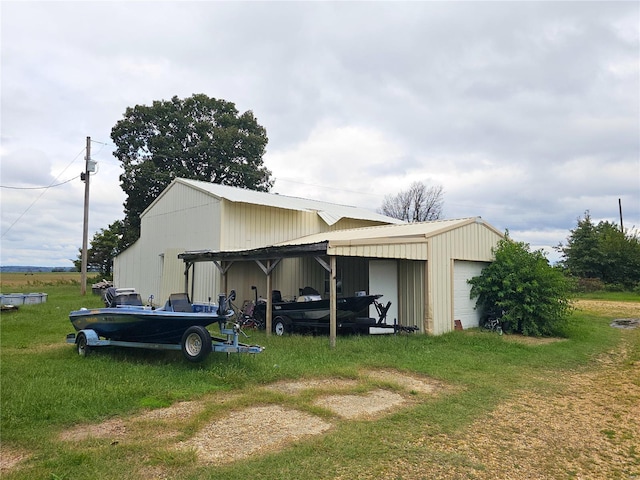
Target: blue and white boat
x=126, y=318
x=179, y=324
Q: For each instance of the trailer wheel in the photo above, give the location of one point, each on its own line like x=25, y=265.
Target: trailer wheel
x=82, y=345
x=196, y=343
x=281, y=326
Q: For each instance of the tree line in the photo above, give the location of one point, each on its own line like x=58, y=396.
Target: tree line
x=601, y=256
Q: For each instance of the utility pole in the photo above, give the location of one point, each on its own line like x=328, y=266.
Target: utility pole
x=85, y=227
x=620, y=207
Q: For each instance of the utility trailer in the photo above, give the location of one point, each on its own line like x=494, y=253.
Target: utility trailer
x=195, y=345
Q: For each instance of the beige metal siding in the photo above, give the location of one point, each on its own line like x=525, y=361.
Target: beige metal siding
x=126, y=267
x=412, y=250
x=349, y=223
x=411, y=293
x=353, y=273
x=471, y=242
x=181, y=219
x=252, y=226
x=295, y=273
x=172, y=275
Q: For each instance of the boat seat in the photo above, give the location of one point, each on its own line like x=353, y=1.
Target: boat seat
x=179, y=302
x=276, y=296
x=309, y=291
x=116, y=297
x=309, y=298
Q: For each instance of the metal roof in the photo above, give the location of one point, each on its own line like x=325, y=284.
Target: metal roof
x=408, y=230
x=320, y=243
x=330, y=213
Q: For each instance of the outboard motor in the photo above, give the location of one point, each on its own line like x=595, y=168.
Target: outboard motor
x=109, y=295
x=222, y=304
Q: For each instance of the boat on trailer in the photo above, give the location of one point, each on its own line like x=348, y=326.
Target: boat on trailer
x=178, y=325
x=310, y=312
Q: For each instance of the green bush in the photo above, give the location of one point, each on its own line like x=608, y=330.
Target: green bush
x=520, y=286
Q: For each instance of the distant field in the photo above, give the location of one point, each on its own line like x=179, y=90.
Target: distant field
x=14, y=281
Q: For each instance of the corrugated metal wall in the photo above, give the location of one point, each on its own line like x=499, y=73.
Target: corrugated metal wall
x=253, y=226
x=171, y=275
x=181, y=219
x=411, y=293
x=380, y=249
x=126, y=267
x=471, y=242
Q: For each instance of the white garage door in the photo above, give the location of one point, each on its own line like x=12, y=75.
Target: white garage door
x=383, y=278
x=463, y=306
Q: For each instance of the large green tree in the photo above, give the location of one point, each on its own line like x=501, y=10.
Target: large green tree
x=199, y=138
x=103, y=247
x=602, y=251
x=523, y=289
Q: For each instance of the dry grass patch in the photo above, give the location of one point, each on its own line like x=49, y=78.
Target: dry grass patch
x=533, y=341
x=591, y=429
x=609, y=309
x=261, y=429
x=255, y=430
x=368, y=406
x=10, y=458
x=177, y=410
x=296, y=386
x=411, y=383
x=114, y=429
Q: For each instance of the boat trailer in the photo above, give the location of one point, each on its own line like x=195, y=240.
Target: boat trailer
x=195, y=345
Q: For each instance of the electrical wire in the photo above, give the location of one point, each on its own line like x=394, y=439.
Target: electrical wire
x=43, y=192
x=39, y=188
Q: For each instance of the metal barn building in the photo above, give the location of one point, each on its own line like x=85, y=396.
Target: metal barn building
x=193, y=215
x=217, y=237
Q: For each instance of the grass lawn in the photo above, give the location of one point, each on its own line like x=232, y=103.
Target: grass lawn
x=47, y=390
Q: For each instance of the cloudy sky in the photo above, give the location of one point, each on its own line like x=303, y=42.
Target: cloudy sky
x=527, y=114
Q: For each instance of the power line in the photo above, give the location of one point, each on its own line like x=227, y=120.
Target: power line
x=39, y=188
x=43, y=192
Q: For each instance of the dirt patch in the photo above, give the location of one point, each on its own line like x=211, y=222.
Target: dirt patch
x=267, y=428
x=411, y=383
x=177, y=410
x=117, y=428
x=114, y=429
x=296, y=386
x=251, y=431
x=10, y=458
x=367, y=406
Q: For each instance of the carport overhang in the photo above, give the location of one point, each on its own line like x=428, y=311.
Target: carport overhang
x=267, y=258
x=261, y=254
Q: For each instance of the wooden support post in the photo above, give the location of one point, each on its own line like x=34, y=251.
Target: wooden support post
x=333, y=304
x=224, y=279
x=269, y=318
